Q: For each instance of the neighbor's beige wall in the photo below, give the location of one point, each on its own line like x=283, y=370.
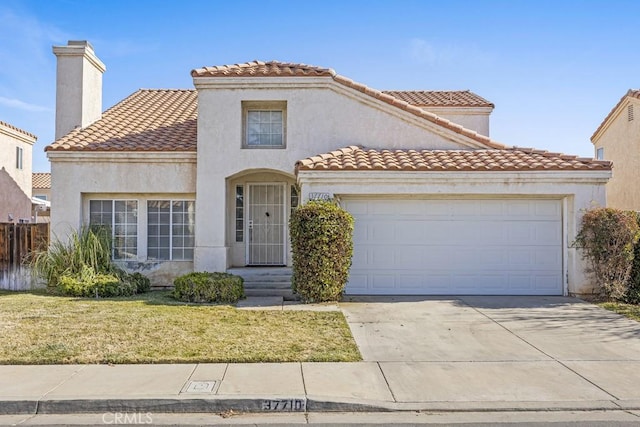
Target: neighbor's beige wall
x=474, y=118
x=621, y=143
x=13, y=201
x=9, y=140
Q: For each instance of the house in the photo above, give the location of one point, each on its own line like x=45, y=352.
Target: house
x=16, y=147
x=205, y=179
x=41, y=190
x=618, y=139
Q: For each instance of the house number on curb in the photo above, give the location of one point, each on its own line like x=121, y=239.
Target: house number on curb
x=284, y=405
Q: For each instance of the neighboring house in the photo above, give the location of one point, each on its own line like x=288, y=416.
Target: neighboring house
x=205, y=179
x=16, y=147
x=41, y=184
x=618, y=139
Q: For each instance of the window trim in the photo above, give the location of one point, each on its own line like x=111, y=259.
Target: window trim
x=264, y=106
x=600, y=153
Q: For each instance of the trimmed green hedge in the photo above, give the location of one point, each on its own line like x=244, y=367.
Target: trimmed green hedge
x=209, y=287
x=322, y=246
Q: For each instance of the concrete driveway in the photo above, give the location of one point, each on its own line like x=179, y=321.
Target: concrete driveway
x=498, y=348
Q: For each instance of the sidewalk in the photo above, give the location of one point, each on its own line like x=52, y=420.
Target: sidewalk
x=293, y=387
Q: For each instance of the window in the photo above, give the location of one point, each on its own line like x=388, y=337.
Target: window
x=170, y=229
x=40, y=196
x=295, y=198
x=600, y=154
x=239, y=213
x=18, y=158
x=264, y=124
x=121, y=219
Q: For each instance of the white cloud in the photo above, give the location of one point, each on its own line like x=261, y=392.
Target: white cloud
x=21, y=105
x=436, y=55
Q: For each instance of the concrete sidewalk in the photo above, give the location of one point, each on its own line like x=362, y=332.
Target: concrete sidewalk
x=420, y=354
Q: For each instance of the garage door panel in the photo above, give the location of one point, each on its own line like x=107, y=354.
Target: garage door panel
x=445, y=246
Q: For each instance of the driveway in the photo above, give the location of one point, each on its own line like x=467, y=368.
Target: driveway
x=498, y=348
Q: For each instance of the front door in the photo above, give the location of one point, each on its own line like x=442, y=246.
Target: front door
x=266, y=224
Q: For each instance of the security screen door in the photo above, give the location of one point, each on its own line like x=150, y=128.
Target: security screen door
x=266, y=224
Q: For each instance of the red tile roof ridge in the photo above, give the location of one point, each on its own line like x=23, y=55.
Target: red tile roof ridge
x=17, y=129
x=633, y=93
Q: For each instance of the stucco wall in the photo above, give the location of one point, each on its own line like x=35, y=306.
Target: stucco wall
x=322, y=116
x=578, y=191
x=13, y=201
x=471, y=118
x=9, y=140
x=621, y=143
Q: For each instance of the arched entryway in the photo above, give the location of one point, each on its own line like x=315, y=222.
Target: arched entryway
x=259, y=204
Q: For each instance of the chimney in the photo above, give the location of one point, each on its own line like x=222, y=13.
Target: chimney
x=78, y=86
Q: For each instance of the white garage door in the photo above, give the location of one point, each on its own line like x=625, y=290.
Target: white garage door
x=456, y=247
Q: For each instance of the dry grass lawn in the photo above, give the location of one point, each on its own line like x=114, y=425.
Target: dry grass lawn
x=628, y=310
x=37, y=328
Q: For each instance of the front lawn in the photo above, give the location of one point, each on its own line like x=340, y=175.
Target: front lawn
x=37, y=328
x=628, y=310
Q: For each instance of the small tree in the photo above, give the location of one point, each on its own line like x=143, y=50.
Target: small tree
x=322, y=245
x=607, y=238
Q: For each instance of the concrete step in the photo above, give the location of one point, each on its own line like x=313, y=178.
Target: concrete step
x=287, y=294
x=272, y=285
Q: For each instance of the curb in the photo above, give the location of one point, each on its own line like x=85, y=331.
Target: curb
x=289, y=405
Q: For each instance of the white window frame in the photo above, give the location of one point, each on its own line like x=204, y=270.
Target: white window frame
x=171, y=235
x=600, y=153
x=263, y=106
x=19, y=158
x=113, y=226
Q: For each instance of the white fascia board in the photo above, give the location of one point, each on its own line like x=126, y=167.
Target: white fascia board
x=123, y=156
x=476, y=111
x=15, y=134
x=261, y=82
x=479, y=178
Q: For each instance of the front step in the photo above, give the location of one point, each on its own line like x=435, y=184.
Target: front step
x=266, y=281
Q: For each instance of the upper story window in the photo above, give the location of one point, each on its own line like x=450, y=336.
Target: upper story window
x=18, y=158
x=600, y=154
x=264, y=124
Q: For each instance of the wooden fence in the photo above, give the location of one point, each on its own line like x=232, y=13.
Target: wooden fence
x=18, y=240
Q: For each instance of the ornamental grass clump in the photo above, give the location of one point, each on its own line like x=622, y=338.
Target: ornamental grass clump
x=607, y=238
x=322, y=246
x=82, y=267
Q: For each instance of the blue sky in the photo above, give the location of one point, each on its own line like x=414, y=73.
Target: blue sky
x=554, y=69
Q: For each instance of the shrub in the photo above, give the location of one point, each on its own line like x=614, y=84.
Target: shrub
x=632, y=295
x=90, y=285
x=139, y=281
x=607, y=237
x=209, y=287
x=322, y=246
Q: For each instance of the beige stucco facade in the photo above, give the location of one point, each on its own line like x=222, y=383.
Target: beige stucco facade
x=321, y=116
x=12, y=140
x=474, y=118
x=619, y=138
x=14, y=205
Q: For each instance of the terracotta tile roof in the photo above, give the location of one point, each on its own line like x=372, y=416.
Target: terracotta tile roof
x=24, y=132
x=356, y=158
x=286, y=69
x=440, y=98
x=263, y=69
x=41, y=180
x=147, y=120
x=633, y=93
